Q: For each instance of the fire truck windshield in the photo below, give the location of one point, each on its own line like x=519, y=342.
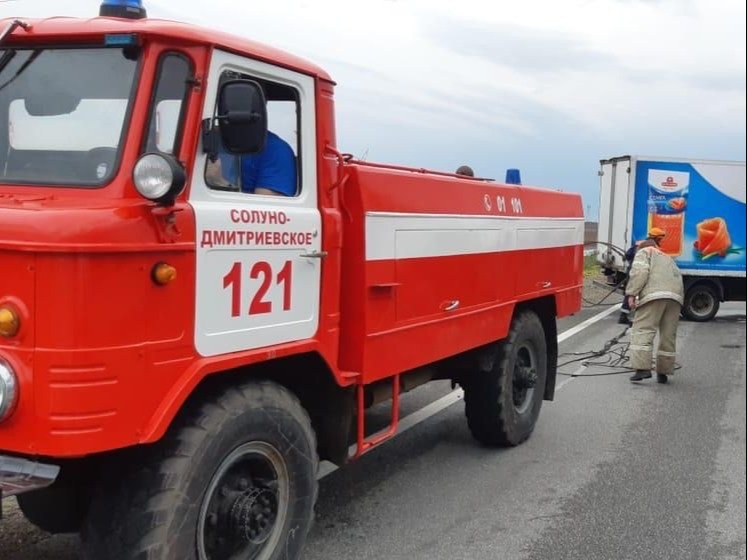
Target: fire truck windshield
x=63, y=113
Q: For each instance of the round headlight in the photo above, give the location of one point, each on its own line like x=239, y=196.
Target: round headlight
x=8, y=390
x=153, y=176
x=158, y=177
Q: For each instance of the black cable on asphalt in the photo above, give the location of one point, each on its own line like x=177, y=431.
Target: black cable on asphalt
x=614, y=352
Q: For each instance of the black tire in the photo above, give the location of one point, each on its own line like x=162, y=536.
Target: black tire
x=501, y=410
x=701, y=303
x=55, y=509
x=207, y=479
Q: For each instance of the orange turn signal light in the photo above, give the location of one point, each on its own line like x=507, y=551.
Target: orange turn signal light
x=10, y=322
x=164, y=273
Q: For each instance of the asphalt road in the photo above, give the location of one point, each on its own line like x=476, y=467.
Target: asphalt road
x=613, y=471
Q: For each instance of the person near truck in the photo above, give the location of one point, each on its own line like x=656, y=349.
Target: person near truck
x=655, y=291
x=270, y=172
x=625, y=310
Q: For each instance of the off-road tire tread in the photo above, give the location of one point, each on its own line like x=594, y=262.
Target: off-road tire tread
x=130, y=518
x=487, y=418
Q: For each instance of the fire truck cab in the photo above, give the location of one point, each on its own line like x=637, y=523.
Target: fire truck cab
x=201, y=296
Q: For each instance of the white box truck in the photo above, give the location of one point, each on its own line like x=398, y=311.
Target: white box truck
x=701, y=206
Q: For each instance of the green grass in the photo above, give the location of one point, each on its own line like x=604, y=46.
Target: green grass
x=591, y=266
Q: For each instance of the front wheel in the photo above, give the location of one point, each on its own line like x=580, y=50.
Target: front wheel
x=236, y=478
x=502, y=405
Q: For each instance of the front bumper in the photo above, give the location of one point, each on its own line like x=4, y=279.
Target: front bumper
x=18, y=475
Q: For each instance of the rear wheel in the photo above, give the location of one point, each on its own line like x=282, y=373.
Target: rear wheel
x=235, y=479
x=502, y=405
x=701, y=303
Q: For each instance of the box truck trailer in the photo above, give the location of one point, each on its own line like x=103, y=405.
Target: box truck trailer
x=701, y=206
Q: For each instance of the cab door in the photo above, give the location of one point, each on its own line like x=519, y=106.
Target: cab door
x=258, y=256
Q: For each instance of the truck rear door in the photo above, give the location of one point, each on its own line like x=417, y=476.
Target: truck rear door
x=617, y=177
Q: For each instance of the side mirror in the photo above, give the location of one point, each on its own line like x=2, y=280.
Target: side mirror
x=242, y=116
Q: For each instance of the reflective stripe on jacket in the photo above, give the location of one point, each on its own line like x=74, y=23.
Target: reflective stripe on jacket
x=654, y=275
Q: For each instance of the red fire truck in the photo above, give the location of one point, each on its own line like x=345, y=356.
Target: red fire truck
x=180, y=343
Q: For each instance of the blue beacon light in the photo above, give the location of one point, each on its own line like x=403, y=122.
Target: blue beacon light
x=130, y=9
x=513, y=177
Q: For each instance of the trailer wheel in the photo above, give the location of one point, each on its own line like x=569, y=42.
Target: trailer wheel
x=502, y=405
x=234, y=478
x=701, y=303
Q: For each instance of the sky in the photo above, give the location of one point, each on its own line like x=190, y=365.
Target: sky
x=544, y=86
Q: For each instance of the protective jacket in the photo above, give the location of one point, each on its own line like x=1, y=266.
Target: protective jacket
x=654, y=275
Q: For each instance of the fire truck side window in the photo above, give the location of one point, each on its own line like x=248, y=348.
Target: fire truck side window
x=168, y=106
x=275, y=170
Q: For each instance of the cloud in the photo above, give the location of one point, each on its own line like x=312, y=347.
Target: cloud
x=550, y=87
x=719, y=82
x=520, y=48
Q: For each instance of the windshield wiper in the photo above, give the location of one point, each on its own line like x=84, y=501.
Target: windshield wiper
x=8, y=55
x=23, y=67
x=12, y=27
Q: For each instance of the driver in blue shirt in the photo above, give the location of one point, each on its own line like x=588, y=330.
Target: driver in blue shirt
x=269, y=172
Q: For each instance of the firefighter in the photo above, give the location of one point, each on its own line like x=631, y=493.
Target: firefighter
x=655, y=291
x=625, y=311
x=624, y=318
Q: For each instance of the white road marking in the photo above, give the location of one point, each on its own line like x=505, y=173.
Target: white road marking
x=572, y=376
x=407, y=422
x=412, y=420
x=565, y=335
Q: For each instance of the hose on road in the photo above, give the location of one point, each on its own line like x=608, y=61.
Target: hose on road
x=613, y=355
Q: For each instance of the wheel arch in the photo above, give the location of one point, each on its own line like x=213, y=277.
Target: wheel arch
x=715, y=283
x=308, y=376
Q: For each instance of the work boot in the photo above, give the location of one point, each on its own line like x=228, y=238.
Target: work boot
x=661, y=378
x=640, y=375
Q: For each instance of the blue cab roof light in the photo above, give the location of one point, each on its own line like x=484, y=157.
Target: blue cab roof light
x=121, y=39
x=513, y=177
x=130, y=9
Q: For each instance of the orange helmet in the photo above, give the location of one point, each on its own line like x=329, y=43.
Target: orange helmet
x=656, y=232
